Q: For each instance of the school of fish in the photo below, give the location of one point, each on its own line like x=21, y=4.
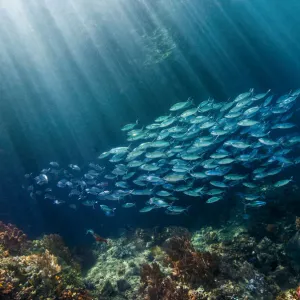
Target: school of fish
x=202, y=151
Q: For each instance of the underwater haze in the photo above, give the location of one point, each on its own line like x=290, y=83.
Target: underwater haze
x=123, y=115
x=73, y=73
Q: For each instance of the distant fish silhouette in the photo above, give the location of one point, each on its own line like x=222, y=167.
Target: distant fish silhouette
x=97, y=237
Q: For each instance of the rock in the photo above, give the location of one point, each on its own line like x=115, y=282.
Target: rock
x=132, y=264
x=265, y=244
x=284, y=278
x=135, y=271
x=107, y=289
x=293, y=249
x=149, y=244
x=211, y=237
x=123, y=285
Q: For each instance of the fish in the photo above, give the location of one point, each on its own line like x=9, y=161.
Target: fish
x=146, y=209
x=128, y=205
x=243, y=96
x=59, y=202
x=251, y=111
x=158, y=202
x=260, y=96
x=119, y=150
x=130, y=126
x=163, y=193
x=268, y=142
x=135, y=164
x=249, y=185
x=235, y=177
x=225, y=161
x=106, y=208
x=214, y=192
x=74, y=167
x=162, y=118
x=97, y=237
x=104, y=155
x=54, y=164
x=283, y=126
x=181, y=105
x=178, y=209
x=155, y=154
x=174, y=177
x=219, y=184
x=256, y=204
x=160, y=144
x=283, y=182
x=247, y=122
x=41, y=179
x=150, y=167
x=213, y=199
x=191, y=193
x=251, y=197
x=190, y=157
x=146, y=192
x=236, y=144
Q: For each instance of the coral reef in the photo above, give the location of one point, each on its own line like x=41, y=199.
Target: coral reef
x=157, y=235
x=37, y=273
x=229, y=262
x=156, y=286
x=12, y=239
x=55, y=244
x=253, y=259
x=190, y=266
x=297, y=223
x=292, y=294
x=117, y=269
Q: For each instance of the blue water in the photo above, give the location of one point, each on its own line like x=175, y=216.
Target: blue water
x=72, y=74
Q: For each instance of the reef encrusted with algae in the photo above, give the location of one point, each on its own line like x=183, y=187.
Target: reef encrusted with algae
x=229, y=262
x=239, y=260
x=37, y=269
x=117, y=270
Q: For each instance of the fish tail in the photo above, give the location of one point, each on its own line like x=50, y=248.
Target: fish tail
x=90, y=231
x=188, y=208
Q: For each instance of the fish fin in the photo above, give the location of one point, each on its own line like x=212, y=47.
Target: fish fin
x=187, y=209
x=90, y=231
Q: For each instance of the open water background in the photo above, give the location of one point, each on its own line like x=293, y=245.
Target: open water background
x=73, y=73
